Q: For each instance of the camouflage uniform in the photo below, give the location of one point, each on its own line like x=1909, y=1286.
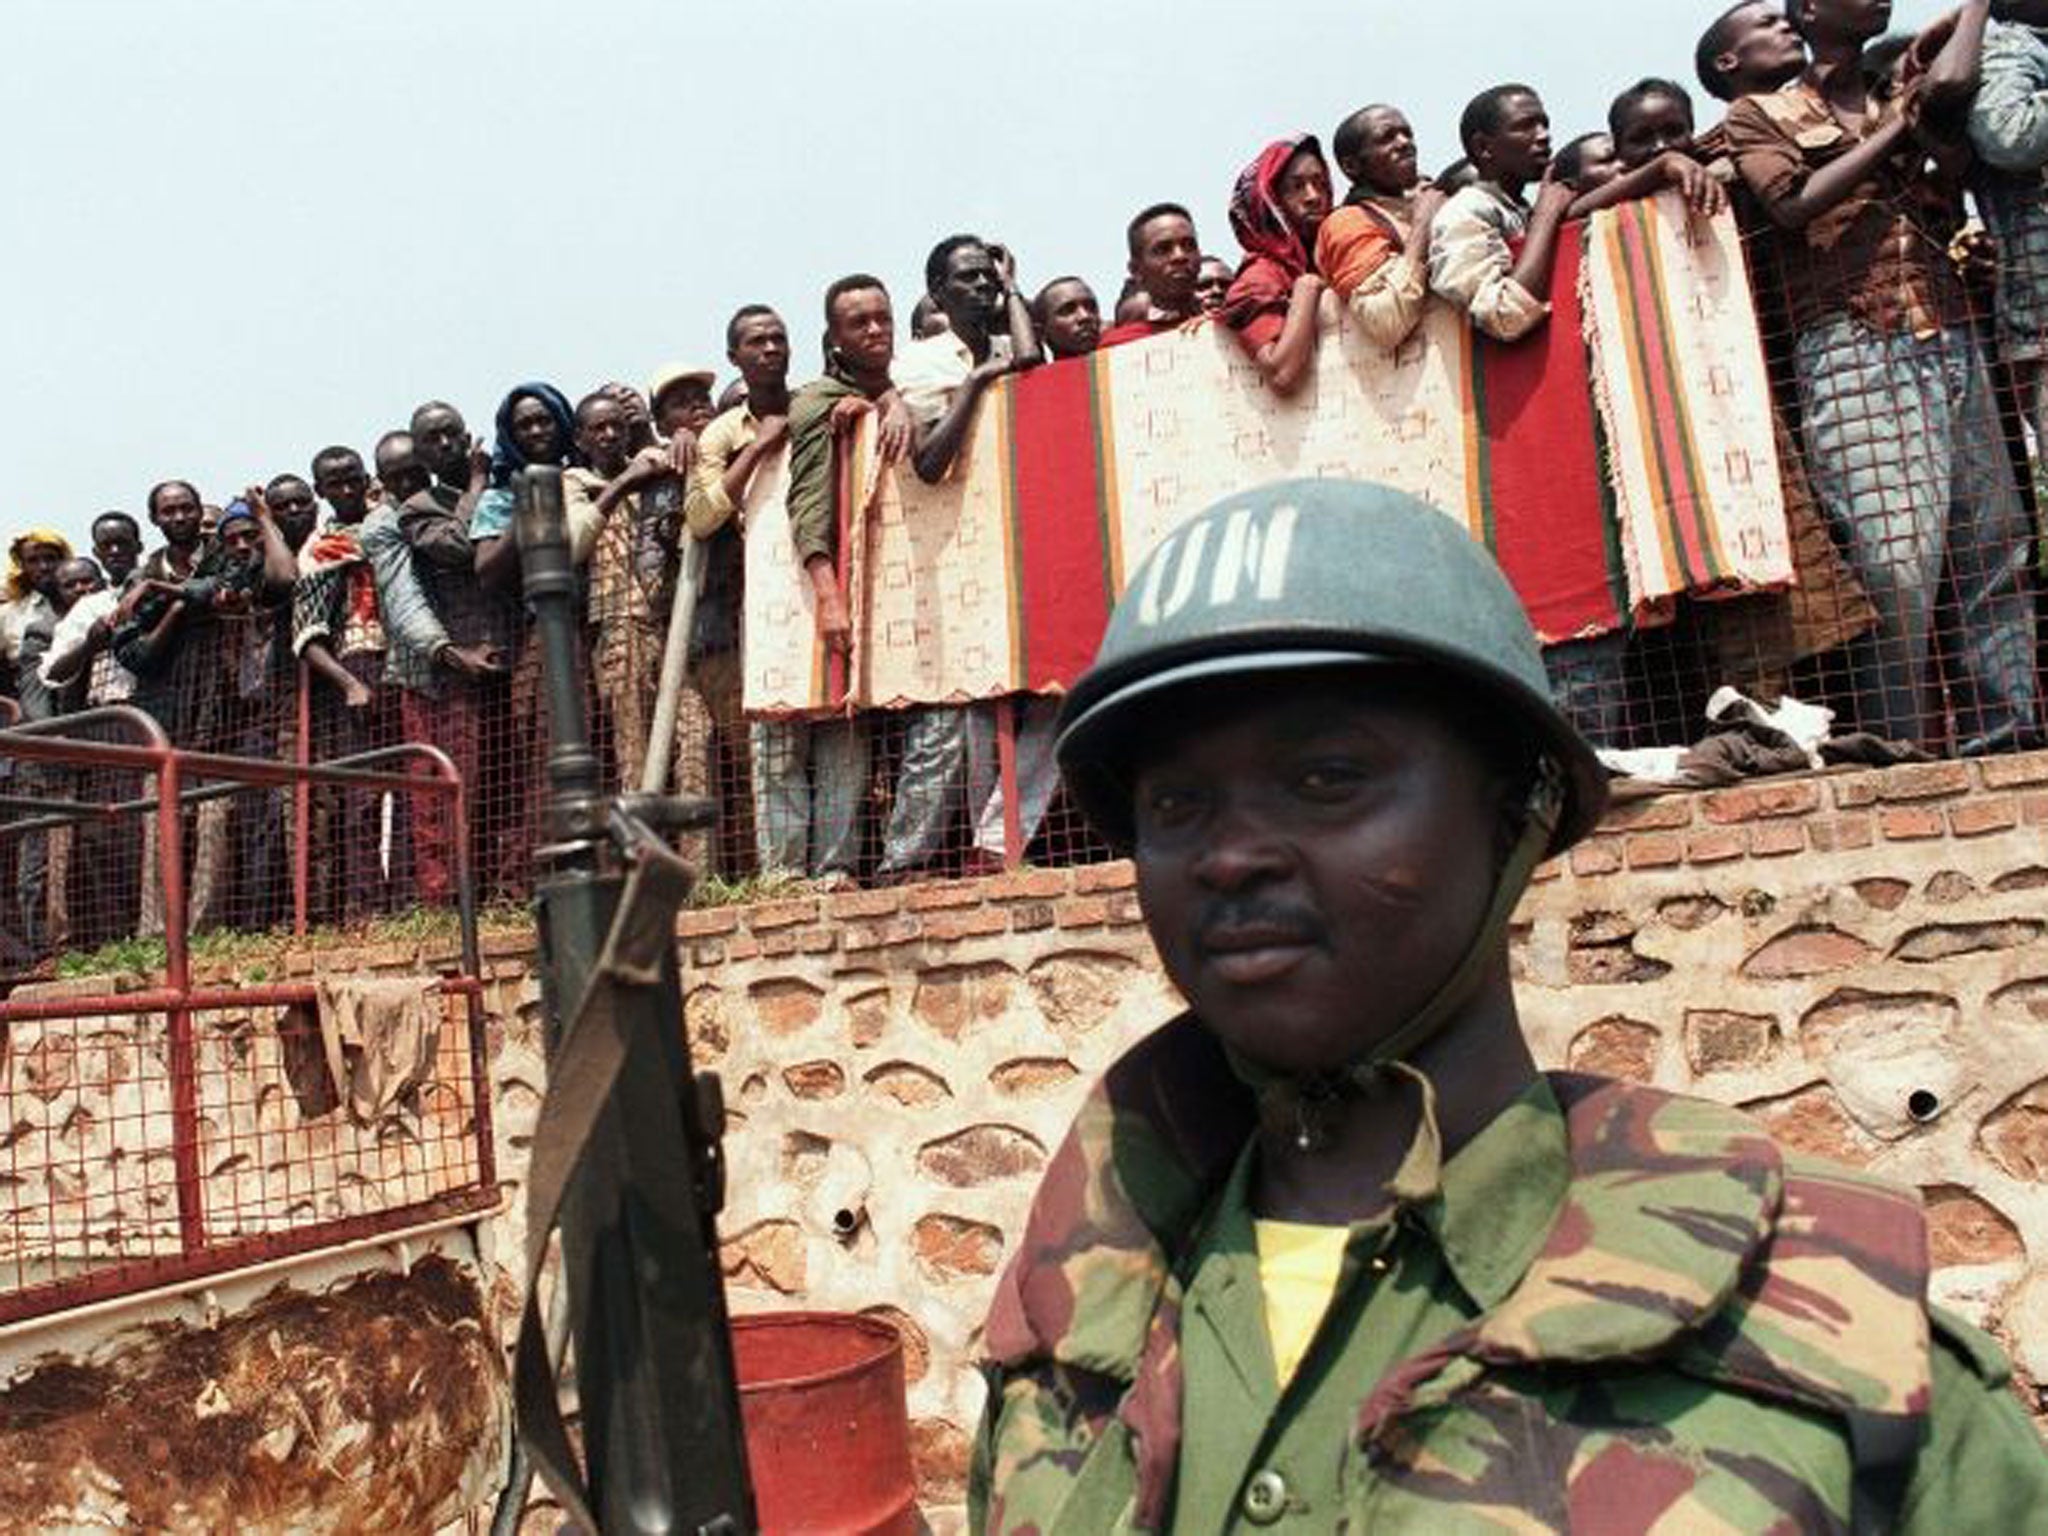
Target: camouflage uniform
x=1615, y=1310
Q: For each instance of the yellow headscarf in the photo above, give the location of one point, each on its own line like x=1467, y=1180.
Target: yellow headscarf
x=17, y=578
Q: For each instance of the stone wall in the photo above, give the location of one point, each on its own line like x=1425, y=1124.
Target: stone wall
x=1861, y=958
x=1858, y=957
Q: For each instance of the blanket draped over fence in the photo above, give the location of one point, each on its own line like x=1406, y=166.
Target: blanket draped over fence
x=1621, y=457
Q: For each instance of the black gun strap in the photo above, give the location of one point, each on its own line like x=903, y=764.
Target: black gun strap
x=580, y=1080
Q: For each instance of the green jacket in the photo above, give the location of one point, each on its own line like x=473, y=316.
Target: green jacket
x=812, y=499
x=1690, y=1261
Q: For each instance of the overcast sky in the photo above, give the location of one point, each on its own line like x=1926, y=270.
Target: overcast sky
x=241, y=229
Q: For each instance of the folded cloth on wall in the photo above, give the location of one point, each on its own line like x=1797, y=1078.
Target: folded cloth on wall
x=381, y=1035
x=1749, y=741
x=999, y=579
x=1685, y=403
x=1541, y=504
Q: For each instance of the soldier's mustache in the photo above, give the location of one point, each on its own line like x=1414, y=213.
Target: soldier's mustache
x=1282, y=921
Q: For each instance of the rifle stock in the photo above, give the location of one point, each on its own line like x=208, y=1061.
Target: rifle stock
x=626, y=1156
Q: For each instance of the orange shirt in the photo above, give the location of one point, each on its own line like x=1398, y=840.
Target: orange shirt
x=1354, y=243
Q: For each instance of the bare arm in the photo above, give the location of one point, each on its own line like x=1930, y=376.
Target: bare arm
x=1950, y=83
x=935, y=445
x=1024, y=348
x=151, y=645
x=1833, y=182
x=739, y=474
x=280, y=565
x=1284, y=361
x=835, y=623
x=1702, y=193
x=1532, y=269
x=321, y=661
x=497, y=563
x=63, y=665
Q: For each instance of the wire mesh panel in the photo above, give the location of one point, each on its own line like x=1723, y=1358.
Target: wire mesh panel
x=1884, y=366
x=153, y=1146
x=159, y=1130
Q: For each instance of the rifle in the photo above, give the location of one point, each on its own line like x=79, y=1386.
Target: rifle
x=626, y=1156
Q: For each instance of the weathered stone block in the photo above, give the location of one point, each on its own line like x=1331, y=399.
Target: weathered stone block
x=981, y=1154
x=1718, y=1041
x=1910, y=823
x=1649, y=813
x=1618, y=1047
x=1032, y=1075
x=1946, y=941
x=1964, y=1228
x=1080, y=989
x=2027, y=1000
x=1715, y=845
x=1924, y=781
x=939, y=1454
x=1949, y=887
x=815, y=1079
x=955, y=1000
x=917, y=1344
x=1979, y=816
x=1655, y=850
x=1688, y=913
x=955, y=1248
x=785, y=1005
x=1813, y=1120
x=1806, y=951
x=1752, y=802
x=2015, y=1136
x=1882, y=893
x=782, y=914
x=769, y=1255
x=910, y=1085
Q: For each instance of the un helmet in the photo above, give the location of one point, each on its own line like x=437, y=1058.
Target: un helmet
x=1304, y=574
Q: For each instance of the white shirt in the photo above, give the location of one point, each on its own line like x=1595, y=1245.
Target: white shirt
x=17, y=616
x=108, y=682
x=927, y=373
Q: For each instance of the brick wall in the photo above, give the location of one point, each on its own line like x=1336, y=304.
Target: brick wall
x=1860, y=958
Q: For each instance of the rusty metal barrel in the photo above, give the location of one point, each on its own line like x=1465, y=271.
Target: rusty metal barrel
x=827, y=1422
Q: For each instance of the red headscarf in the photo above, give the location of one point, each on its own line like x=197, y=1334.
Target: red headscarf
x=1274, y=255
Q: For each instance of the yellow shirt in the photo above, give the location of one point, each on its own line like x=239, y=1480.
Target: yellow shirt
x=1299, y=1266
x=706, y=507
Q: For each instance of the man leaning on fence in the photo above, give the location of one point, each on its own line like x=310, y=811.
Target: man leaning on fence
x=810, y=776
x=943, y=378
x=338, y=631
x=1896, y=405
x=2009, y=132
x=436, y=654
x=735, y=449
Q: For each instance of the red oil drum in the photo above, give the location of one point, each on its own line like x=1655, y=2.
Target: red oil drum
x=828, y=1427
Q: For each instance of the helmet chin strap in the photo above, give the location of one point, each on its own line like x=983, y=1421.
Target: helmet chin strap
x=1305, y=1107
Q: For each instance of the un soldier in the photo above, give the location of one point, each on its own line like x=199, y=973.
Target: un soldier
x=1327, y=1253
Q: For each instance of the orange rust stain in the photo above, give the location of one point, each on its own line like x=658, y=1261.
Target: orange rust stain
x=379, y=1405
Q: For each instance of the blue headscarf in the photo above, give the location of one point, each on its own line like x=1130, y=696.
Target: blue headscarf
x=506, y=459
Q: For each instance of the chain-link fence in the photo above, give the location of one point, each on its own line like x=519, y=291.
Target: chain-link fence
x=162, y=1127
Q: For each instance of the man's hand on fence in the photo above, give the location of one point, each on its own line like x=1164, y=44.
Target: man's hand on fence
x=892, y=437
x=1692, y=181
x=835, y=623
x=472, y=660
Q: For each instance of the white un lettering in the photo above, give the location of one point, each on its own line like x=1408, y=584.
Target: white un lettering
x=1252, y=552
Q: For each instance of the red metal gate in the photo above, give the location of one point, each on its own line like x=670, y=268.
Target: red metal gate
x=159, y=1130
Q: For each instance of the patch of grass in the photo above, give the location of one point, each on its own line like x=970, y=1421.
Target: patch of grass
x=118, y=955
x=259, y=957
x=716, y=891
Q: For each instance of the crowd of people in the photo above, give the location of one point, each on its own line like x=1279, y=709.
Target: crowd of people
x=388, y=585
